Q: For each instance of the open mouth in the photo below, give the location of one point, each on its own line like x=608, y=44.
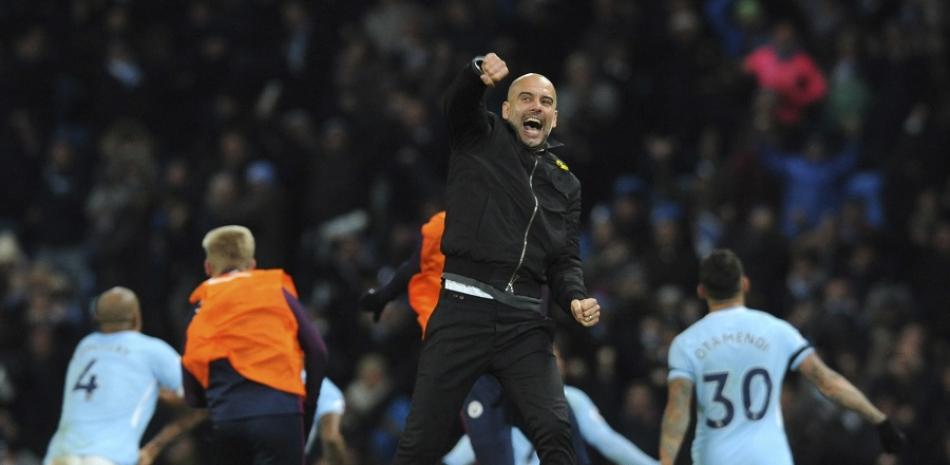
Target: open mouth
x=532, y=123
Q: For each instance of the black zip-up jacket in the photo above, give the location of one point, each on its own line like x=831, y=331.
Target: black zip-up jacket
x=513, y=213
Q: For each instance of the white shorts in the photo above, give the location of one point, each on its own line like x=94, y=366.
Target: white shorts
x=80, y=460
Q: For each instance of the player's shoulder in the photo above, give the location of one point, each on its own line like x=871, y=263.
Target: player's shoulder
x=328, y=387
x=769, y=319
x=573, y=392
x=152, y=343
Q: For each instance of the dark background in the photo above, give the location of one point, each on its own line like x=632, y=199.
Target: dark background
x=130, y=128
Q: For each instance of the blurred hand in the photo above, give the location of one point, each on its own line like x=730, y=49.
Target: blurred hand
x=586, y=311
x=494, y=69
x=148, y=454
x=371, y=302
x=892, y=439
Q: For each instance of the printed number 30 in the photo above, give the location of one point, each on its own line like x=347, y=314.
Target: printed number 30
x=720, y=380
x=88, y=386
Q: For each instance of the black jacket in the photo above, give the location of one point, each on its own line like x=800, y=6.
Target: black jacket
x=513, y=214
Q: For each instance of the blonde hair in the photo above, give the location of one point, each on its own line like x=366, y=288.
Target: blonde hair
x=229, y=247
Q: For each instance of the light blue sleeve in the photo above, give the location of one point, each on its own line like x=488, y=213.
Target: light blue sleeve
x=166, y=365
x=600, y=435
x=679, y=362
x=461, y=454
x=330, y=400
x=523, y=449
x=797, y=346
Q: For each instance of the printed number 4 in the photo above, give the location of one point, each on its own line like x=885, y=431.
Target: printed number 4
x=720, y=380
x=88, y=386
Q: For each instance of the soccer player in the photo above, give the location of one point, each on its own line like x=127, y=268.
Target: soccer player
x=735, y=359
x=246, y=350
x=112, y=386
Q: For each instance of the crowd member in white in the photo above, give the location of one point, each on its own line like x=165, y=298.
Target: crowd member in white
x=735, y=360
x=591, y=425
x=112, y=386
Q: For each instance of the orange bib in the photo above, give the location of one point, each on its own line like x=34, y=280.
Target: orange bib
x=245, y=318
x=424, y=286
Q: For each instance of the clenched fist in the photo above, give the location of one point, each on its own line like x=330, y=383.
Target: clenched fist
x=493, y=69
x=586, y=311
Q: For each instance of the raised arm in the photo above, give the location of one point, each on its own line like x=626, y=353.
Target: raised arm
x=835, y=387
x=675, y=419
x=464, y=101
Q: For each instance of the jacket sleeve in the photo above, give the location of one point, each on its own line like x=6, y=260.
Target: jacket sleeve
x=401, y=277
x=565, y=274
x=465, y=109
x=314, y=350
x=194, y=392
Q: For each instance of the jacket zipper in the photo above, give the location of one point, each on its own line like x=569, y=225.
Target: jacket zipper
x=510, y=288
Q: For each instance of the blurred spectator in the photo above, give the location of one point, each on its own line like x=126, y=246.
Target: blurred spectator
x=811, y=181
x=784, y=71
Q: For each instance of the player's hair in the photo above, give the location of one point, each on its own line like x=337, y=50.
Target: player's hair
x=720, y=273
x=229, y=247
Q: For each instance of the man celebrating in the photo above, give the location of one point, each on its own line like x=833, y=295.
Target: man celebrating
x=736, y=358
x=112, y=386
x=512, y=226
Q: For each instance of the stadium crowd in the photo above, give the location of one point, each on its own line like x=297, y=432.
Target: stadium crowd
x=805, y=134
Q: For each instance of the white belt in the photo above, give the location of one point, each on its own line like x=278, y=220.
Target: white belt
x=466, y=289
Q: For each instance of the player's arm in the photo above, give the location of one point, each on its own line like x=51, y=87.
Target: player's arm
x=334, y=447
x=596, y=432
x=837, y=388
x=315, y=356
x=150, y=451
x=375, y=300
x=675, y=419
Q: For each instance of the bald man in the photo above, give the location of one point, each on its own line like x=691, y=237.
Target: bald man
x=511, y=230
x=112, y=386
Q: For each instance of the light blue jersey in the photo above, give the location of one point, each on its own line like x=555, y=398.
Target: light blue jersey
x=592, y=426
x=111, y=389
x=737, y=359
x=330, y=401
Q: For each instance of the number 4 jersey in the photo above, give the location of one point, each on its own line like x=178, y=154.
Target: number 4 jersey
x=112, y=386
x=737, y=358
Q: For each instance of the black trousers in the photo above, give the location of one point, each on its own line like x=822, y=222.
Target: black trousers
x=466, y=337
x=264, y=440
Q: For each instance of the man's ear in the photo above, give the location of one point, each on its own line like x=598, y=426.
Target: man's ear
x=554, y=121
x=745, y=285
x=700, y=292
x=252, y=265
x=505, y=110
x=209, y=270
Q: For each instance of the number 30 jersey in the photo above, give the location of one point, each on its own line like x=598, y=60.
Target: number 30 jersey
x=111, y=389
x=737, y=359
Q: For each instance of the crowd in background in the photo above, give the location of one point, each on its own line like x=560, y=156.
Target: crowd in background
x=811, y=136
